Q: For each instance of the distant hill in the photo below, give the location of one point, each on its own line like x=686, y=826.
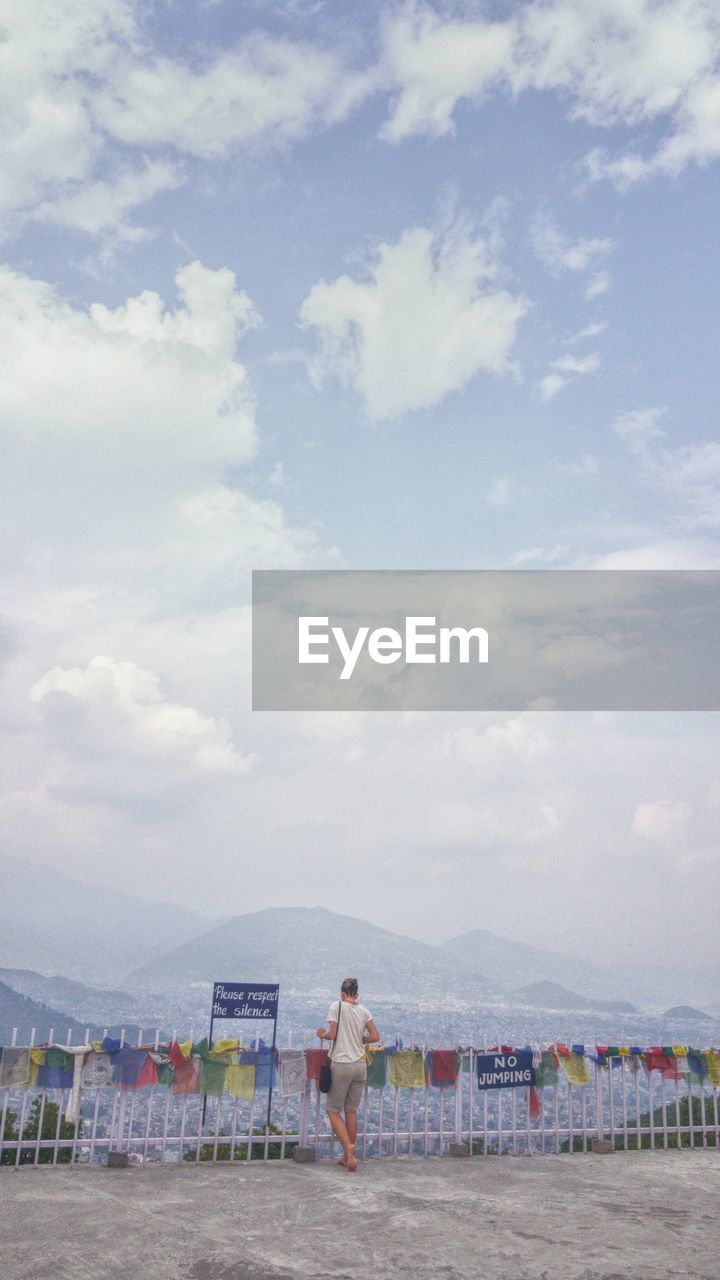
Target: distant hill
x=506, y=962
x=20, y=1011
x=510, y=962
x=551, y=995
x=307, y=949
x=53, y=923
x=77, y=999
x=686, y=1013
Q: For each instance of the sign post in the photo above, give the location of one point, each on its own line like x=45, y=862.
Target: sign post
x=238, y=1001
x=505, y=1070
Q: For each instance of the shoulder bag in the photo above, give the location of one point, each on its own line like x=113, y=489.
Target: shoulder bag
x=325, y=1080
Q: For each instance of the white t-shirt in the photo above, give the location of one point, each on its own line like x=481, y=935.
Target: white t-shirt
x=348, y=1044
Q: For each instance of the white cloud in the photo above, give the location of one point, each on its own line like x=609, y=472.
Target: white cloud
x=103, y=206
x=102, y=402
x=688, y=475
x=427, y=319
x=599, y=284
x=662, y=821
x=552, y=383
x=592, y=330
x=435, y=62
x=541, y=555
x=557, y=251
x=662, y=552
x=120, y=427
x=585, y=466
x=615, y=62
x=50, y=55
x=500, y=492
x=116, y=709
x=263, y=91
x=589, y=363
x=638, y=427
x=78, y=86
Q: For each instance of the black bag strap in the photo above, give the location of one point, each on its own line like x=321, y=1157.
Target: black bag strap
x=337, y=1028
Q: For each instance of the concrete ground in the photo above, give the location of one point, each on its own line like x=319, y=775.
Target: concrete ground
x=654, y=1215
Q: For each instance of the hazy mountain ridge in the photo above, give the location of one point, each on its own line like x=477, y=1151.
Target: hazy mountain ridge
x=306, y=949
x=88, y=936
x=54, y=924
x=509, y=963
x=75, y=998
x=552, y=995
x=24, y=1014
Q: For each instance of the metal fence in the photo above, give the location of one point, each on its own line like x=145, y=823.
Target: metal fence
x=629, y=1108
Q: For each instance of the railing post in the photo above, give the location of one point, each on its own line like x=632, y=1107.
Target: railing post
x=599, y=1115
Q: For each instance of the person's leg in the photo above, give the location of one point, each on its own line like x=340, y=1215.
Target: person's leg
x=339, y=1128
x=351, y=1124
x=336, y=1100
x=352, y=1102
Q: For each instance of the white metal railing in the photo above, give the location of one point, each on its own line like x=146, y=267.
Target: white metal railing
x=629, y=1108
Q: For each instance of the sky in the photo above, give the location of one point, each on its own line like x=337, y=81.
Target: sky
x=326, y=285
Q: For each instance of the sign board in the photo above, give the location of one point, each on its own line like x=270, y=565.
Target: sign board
x=504, y=1070
x=239, y=1000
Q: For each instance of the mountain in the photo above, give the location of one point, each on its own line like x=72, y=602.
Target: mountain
x=18, y=1011
x=509, y=962
x=551, y=995
x=79, y=1001
x=51, y=922
x=686, y=1013
x=506, y=962
x=307, y=950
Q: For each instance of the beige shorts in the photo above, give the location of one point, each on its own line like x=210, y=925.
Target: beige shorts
x=348, y=1085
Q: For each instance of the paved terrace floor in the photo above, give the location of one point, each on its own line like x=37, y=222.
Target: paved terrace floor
x=654, y=1215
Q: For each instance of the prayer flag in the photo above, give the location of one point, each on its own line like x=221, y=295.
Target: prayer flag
x=97, y=1071
x=292, y=1071
x=406, y=1069
x=376, y=1068
x=187, y=1077
x=443, y=1068
x=314, y=1060
x=212, y=1077
x=240, y=1081
x=15, y=1068
x=576, y=1068
x=58, y=1070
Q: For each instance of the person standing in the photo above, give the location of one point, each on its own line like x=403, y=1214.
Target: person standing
x=350, y=1027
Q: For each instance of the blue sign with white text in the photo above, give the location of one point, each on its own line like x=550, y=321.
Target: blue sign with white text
x=504, y=1070
x=239, y=1000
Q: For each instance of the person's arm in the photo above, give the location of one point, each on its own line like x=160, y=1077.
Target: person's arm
x=372, y=1035
x=331, y=1032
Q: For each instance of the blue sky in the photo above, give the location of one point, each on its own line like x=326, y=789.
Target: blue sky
x=392, y=285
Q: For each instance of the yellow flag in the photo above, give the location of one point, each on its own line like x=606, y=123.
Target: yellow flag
x=225, y=1046
x=240, y=1081
x=406, y=1069
x=679, y=1050
x=575, y=1067
x=712, y=1058
x=38, y=1058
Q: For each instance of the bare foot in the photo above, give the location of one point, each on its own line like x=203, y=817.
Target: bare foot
x=351, y=1162
x=342, y=1161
